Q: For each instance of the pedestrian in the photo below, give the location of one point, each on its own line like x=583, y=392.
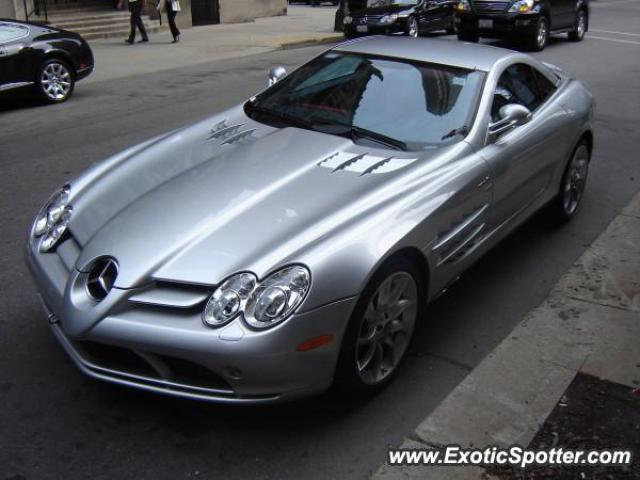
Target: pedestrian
x=135, y=7
x=172, y=7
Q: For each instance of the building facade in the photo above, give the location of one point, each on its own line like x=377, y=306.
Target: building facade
x=194, y=12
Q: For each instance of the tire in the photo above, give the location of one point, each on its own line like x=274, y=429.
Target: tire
x=55, y=81
x=581, y=23
x=412, y=28
x=568, y=200
x=452, y=30
x=366, y=366
x=468, y=37
x=540, y=36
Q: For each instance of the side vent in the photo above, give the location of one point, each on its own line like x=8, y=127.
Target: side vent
x=363, y=164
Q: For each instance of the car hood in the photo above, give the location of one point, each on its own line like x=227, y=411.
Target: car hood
x=194, y=209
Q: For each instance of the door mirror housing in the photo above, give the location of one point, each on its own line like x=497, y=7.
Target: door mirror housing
x=276, y=74
x=511, y=116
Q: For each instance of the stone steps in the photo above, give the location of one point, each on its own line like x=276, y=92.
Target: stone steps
x=95, y=24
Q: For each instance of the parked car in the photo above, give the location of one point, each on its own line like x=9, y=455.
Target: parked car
x=46, y=59
x=532, y=21
x=411, y=17
x=293, y=240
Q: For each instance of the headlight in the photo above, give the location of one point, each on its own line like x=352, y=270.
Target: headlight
x=53, y=219
x=263, y=304
x=522, y=6
x=389, y=18
x=229, y=299
x=347, y=20
x=463, y=6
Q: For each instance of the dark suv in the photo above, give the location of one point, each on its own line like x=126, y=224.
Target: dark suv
x=530, y=20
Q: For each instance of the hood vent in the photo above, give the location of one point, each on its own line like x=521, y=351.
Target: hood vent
x=229, y=134
x=364, y=164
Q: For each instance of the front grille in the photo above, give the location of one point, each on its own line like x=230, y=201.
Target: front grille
x=152, y=367
x=490, y=7
x=373, y=19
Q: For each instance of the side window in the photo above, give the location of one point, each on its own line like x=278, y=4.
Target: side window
x=517, y=84
x=545, y=87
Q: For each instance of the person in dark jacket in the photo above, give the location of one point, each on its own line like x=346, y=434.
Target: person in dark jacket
x=172, y=7
x=135, y=7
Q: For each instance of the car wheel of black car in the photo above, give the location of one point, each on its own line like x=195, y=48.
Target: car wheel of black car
x=468, y=37
x=574, y=181
x=453, y=29
x=412, y=27
x=381, y=328
x=55, y=80
x=540, y=35
x=580, y=27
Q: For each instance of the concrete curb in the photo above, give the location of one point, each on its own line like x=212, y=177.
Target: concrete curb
x=589, y=323
x=312, y=41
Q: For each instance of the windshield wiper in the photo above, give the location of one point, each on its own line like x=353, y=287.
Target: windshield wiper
x=281, y=116
x=463, y=130
x=359, y=132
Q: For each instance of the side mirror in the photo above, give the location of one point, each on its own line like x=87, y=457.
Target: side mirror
x=511, y=115
x=276, y=74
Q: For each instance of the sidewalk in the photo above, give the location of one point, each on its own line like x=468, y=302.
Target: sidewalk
x=586, y=333
x=302, y=25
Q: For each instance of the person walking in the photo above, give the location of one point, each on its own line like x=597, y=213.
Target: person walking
x=172, y=7
x=135, y=7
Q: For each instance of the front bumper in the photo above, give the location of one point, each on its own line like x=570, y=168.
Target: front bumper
x=352, y=30
x=501, y=25
x=170, y=350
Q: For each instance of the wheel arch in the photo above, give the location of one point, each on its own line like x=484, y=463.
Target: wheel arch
x=58, y=55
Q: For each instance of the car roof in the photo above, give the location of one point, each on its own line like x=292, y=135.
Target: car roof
x=471, y=56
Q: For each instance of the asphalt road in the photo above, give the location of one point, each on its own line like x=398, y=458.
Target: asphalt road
x=54, y=423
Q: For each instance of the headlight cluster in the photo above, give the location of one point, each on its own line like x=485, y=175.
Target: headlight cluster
x=53, y=219
x=463, y=6
x=348, y=20
x=389, y=18
x=261, y=304
x=522, y=6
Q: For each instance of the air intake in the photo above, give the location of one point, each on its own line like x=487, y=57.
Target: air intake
x=364, y=164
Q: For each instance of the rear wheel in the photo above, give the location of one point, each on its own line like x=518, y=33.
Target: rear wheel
x=574, y=181
x=452, y=30
x=580, y=27
x=380, y=329
x=468, y=37
x=540, y=35
x=55, y=81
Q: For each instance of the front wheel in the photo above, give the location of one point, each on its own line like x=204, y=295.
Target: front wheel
x=55, y=81
x=540, y=35
x=580, y=27
x=412, y=27
x=380, y=329
x=468, y=37
x=574, y=181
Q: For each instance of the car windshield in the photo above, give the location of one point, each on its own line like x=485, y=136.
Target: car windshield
x=409, y=105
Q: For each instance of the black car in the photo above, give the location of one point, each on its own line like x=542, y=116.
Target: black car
x=530, y=20
x=46, y=59
x=411, y=17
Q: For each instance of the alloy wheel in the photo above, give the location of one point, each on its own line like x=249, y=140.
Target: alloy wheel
x=56, y=81
x=581, y=27
x=575, y=180
x=386, y=327
x=542, y=34
x=413, y=27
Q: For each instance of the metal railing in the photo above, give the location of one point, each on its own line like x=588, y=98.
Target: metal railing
x=38, y=7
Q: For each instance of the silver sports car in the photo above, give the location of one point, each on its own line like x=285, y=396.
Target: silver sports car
x=291, y=242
